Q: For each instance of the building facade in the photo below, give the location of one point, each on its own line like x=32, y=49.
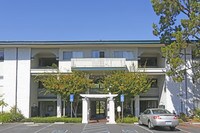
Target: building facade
x=21, y=61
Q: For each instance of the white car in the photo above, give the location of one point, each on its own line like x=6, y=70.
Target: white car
x=157, y=117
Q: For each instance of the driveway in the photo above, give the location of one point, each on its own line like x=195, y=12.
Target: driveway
x=90, y=128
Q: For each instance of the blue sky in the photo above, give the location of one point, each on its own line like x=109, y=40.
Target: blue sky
x=62, y=20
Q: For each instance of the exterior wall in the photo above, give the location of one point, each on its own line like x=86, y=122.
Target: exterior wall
x=23, y=79
x=19, y=88
x=9, y=89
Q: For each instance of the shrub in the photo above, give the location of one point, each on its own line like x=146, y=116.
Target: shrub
x=183, y=117
x=197, y=113
x=14, y=115
x=127, y=120
x=11, y=117
x=52, y=120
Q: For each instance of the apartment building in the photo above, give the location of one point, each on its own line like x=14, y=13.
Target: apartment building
x=21, y=61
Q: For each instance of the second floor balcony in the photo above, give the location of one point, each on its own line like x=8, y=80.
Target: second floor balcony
x=98, y=63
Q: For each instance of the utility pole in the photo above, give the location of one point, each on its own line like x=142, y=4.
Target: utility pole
x=186, y=84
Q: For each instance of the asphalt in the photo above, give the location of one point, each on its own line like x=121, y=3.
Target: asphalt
x=91, y=128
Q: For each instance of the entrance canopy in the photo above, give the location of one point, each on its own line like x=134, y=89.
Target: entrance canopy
x=86, y=106
x=98, y=95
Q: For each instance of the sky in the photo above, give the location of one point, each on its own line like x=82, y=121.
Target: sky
x=76, y=20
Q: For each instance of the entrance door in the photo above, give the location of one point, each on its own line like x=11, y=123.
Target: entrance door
x=148, y=104
x=98, y=110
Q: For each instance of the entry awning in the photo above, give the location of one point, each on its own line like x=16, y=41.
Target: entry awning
x=98, y=95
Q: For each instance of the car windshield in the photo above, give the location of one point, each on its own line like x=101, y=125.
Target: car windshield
x=160, y=111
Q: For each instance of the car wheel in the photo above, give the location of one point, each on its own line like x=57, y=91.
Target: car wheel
x=140, y=122
x=172, y=128
x=150, y=125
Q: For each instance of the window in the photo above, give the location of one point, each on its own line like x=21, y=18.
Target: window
x=1, y=77
x=123, y=54
x=44, y=62
x=1, y=55
x=148, y=61
x=154, y=83
x=40, y=85
x=67, y=55
x=98, y=54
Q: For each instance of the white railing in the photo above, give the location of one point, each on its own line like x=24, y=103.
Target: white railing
x=152, y=70
x=98, y=62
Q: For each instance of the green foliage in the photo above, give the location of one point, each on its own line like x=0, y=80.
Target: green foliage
x=128, y=83
x=127, y=120
x=184, y=117
x=65, y=84
x=178, y=26
x=52, y=120
x=12, y=116
x=2, y=102
x=197, y=113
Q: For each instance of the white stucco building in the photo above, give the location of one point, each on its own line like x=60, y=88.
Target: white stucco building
x=20, y=61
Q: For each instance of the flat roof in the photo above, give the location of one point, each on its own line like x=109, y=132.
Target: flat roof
x=80, y=42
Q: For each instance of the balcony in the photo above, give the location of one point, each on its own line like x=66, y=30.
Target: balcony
x=153, y=70
x=98, y=64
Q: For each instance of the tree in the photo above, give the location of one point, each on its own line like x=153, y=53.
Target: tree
x=66, y=84
x=2, y=103
x=128, y=83
x=179, y=27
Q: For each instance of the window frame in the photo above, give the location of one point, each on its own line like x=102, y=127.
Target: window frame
x=1, y=55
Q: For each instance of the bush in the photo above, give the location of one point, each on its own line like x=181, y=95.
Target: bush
x=183, y=117
x=197, y=113
x=11, y=117
x=127, y=120
x=52, y=120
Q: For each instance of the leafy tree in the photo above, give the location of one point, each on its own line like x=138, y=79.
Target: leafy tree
x=2, y=103
x=128, y=83
x=66, y=84
x=178, y=26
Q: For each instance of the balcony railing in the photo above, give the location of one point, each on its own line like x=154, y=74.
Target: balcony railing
x=152, y=70
x=98, y=62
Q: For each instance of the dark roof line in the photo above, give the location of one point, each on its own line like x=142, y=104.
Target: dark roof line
x=80, y=42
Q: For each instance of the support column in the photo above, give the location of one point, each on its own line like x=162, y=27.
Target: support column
x=111, y=111
x=85, y=113
x=137, y=105
x=59, y=105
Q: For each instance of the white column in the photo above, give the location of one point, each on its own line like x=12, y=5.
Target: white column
x=59, y=105
x=85, y=110
x=137, y=105
x=111, y=111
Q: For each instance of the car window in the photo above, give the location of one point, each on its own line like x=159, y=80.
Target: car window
x=146, y=111
x=160, y=111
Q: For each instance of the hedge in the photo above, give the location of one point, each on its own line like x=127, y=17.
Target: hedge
x=52, y=120
x=127, y=120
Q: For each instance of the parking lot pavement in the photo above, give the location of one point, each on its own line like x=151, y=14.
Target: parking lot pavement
x=90, y=128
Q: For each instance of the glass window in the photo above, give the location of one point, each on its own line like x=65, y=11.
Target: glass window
x=123, y=54
x=77, y=54
x=154, y=83
x=1, y=55
x=67, y=55
x=1, y=77
x=160, y=111
x=47, y=62
x=148, y=62
x=118, y=54
x=98, y=54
